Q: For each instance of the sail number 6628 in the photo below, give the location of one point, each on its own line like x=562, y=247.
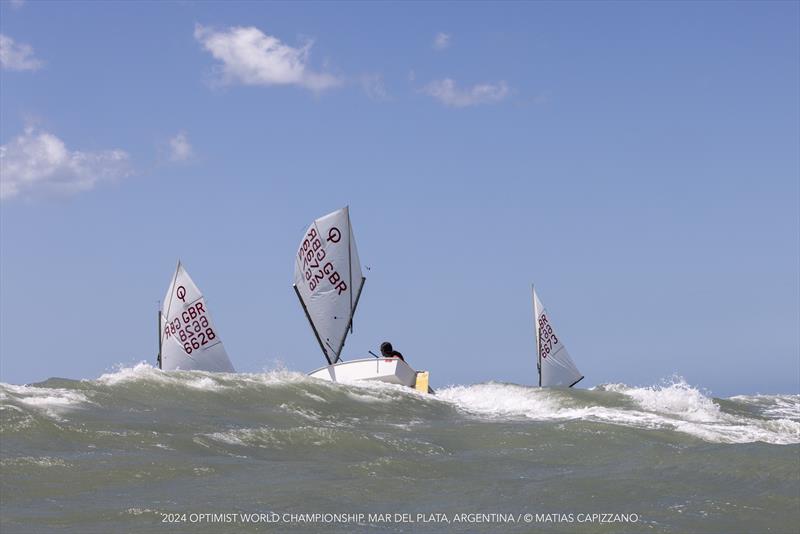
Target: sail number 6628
x=202, y=338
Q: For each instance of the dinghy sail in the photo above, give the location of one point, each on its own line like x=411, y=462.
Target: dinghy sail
x=188, y=339
x=555, y=366
x=328, y=280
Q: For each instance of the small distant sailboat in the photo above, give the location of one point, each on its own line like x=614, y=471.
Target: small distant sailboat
x=555, y=366
x=187, y=338
x=328, y=281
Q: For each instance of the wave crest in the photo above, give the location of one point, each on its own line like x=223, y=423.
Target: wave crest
x=673, y=405
x=282, y=398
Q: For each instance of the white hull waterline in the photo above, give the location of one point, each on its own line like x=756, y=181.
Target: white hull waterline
x=390, y=370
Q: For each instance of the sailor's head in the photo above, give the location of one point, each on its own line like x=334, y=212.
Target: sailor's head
x=386, y=348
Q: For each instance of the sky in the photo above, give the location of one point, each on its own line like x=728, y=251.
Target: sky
x=638, y=162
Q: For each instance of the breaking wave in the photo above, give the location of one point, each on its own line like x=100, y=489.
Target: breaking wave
x=118, y=452
x=286, y=403
x=673, y=406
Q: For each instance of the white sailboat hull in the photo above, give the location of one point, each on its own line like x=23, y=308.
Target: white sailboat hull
x=391, y=370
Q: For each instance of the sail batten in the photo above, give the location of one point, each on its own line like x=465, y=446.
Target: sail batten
x=556, y=367
x=326, y=269
x=188, y=338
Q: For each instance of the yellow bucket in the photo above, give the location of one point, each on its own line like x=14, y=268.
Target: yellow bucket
x=422, y=381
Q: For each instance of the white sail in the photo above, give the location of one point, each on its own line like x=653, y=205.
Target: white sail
x=189, y=339
x=556, y=367
x=328, y=279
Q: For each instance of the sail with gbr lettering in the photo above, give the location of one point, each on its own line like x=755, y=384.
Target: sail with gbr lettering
x=556, y=368
x=328, y=280
x=188, y=338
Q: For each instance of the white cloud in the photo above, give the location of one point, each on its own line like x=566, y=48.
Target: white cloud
x=40, y=161
x=447, y=93
x=180, y=148
x=374, y=87
x=17, y=56
x=441, y=41
x=251, y=57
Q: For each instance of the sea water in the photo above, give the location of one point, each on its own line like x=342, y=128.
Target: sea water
x=141, y=450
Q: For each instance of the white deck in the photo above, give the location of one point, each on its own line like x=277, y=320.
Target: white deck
x=391, y=370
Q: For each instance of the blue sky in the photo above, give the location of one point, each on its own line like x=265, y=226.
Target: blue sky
x=638, y=162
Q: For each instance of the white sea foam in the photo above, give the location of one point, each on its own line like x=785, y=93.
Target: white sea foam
x=202, y=380
x=140, y=371
x=777, y=431
x=43, y=461
x=502, y=400
x=292, y=408
x=144, y=372
x=311, y=396
x=673, y=405
x=676, y=398
x=139, y=511
x=277, y=377
x=205, y=383
x=773, y=406
x=232, y=437
x=676, y=405
x=362, y=391
x=52, y=402
x=275, y=438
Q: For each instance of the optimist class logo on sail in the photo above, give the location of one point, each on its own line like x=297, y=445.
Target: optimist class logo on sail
x=315, y=262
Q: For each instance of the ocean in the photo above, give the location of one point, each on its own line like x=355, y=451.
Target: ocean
x=140, y=450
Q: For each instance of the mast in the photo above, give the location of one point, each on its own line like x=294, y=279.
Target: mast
x=184, y=300
x=314, y=328
x=561, y=370
x=352, y=313
x=350, y=281
x=350, y=273
x=160, y=314
x=330, y=298
x=537, y=335
x=159, y=337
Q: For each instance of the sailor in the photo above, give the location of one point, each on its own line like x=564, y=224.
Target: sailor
x=388, y=352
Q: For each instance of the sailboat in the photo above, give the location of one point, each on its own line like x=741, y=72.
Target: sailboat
x=187, y=338
x=328, y=282
x=555, y=366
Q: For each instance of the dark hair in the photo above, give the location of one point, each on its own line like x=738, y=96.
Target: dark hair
x=386, y=348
